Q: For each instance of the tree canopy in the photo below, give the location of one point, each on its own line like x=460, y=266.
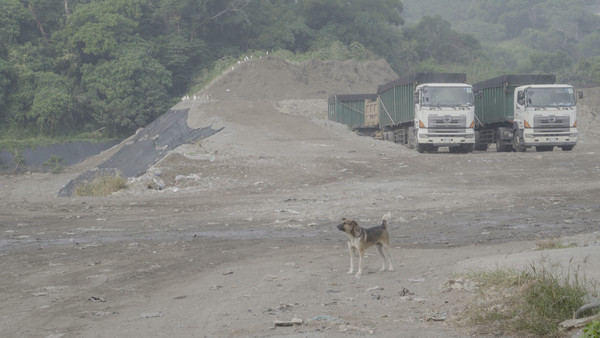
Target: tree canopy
x=73, y=66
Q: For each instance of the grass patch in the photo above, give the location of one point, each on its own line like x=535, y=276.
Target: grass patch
x=592, y=330
x=55, y=164
x=33, y=142
x=528, y=302
x=552, y=244
x=101, y=186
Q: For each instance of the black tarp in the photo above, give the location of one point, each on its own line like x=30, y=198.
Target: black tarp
x=147, y=147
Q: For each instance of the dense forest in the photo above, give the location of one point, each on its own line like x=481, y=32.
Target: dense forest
x=103, y=68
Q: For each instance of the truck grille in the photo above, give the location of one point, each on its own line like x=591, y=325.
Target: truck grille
x=551, y=122
x=447, y=132
x=446, y=121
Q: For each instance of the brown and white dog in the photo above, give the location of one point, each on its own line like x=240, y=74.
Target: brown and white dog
x=360, y=239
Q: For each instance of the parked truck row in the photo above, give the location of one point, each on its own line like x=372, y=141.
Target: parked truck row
x=426, y=111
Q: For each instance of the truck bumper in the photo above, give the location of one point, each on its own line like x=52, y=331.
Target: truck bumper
x=446, y=139
x=567, y=138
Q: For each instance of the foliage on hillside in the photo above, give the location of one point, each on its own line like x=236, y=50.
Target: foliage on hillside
x=111, y=66
x=550, y=36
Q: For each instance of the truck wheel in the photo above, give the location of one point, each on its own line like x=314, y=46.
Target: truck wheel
x=567, y=148
x=421, y=147
x=499, y=145
x=389, y=136
x=412, y=138
x=517, y=144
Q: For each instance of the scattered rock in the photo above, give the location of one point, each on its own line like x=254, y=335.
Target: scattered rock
x=438, y=318
x=324, y=318
x=294, y=321
x=151, y=315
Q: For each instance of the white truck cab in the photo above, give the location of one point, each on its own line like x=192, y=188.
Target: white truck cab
x=444, y=117
x=545, y=116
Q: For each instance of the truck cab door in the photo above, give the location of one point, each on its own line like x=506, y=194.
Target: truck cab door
x=416, y=103
x=519, y=108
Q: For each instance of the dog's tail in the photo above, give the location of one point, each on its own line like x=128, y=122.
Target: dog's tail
x=386, y=218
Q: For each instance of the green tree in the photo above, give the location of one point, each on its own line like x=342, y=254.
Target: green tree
x=128, y=91
x=277, y=25
x=51, y=102
x=588, y=70
x=5, y=80
x=547, y=62
x=13, y=17
x=25, y=61
x=96, y=29
x=433, y=38
x=182, y=57
x=589, y=46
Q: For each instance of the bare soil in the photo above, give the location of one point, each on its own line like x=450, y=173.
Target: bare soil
x=242, y=232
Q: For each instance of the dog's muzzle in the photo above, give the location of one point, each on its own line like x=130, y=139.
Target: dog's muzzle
x=340, y=227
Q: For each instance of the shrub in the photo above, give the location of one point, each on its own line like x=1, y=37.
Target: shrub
x=101, y=186
x=55, y=164
x=533, y=301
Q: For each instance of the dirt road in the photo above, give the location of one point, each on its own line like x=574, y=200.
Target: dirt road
x=242, y=233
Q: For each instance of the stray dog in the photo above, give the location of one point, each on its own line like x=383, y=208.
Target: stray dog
x=360, y=239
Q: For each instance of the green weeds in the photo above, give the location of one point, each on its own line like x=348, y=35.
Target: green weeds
x=101, y=186
x=529, y=302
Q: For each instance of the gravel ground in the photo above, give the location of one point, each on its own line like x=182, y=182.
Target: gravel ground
x=241, y=236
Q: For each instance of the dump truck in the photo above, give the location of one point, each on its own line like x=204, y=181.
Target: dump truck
x=427, y=111
x=520, y=111
x=357, y=111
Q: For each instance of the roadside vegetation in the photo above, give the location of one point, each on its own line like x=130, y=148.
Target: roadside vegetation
x=550, y=244
x=101, y=186
x=592, y=330
x=532, y=301
x=55, y=164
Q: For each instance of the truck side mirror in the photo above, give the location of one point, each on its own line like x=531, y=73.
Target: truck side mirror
x=581, y=94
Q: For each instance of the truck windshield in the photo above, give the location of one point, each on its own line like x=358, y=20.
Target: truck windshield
x=447, y=96
x=550, y=97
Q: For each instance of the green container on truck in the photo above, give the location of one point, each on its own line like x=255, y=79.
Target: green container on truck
x=353, y=110
x=516, y=112
x=427, y=111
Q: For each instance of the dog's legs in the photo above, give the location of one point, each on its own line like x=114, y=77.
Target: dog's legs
x=361, y=254
x=351, y=250
x=389, y=257
x=382, y=256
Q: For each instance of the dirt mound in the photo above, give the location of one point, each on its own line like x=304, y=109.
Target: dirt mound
x=272, y=78
x=271, y=112
x=254, y=103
